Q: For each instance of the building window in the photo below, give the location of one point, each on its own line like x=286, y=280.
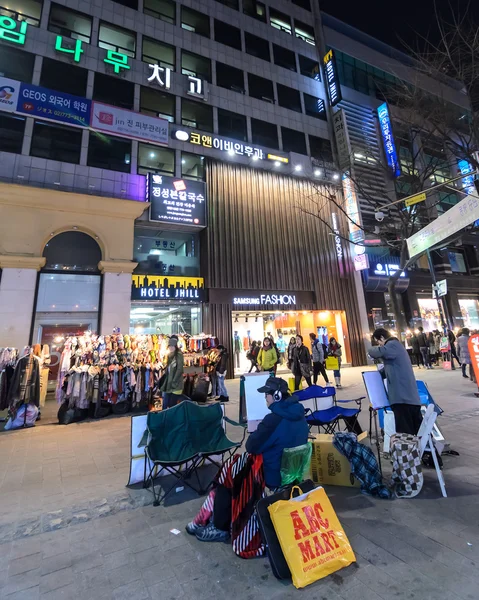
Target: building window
x=196, y=65
x=280, y=21
x=289, y=98
x=227, y=35
x=231, y=3
x=11, y=133
x=457, y=260
x=303, y=4
x=232, y=125
x=309, y=67
x=192, y=166
x=264, y=134
x=70, y=23
x=314, y=107
x=154, y=159
x=257, y=46
x=255, y=9
x=16, y=64
x=22, y=10
x=320, y=149
x=260, y=88
x=304, y=32
x=166, y=253
x=230, y=78
x=63, y=77
x=157, y=104
x=158, y=53
x=284, y=58
x=195, y=21
x=128, y=3
x=108, y=152
x=293, y=141
x=56, y=142
x=117, y=39
x=161, y=9
x=112, y=90
x=196, y=115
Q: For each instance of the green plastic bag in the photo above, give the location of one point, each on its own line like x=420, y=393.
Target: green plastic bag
x=295, y=464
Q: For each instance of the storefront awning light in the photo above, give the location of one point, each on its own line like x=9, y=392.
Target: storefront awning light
x=276, y=158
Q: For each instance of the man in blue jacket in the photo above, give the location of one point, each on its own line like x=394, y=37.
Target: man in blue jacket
x=285, y=427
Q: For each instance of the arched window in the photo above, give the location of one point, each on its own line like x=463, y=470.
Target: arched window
x=72, y=251
x=68, y=298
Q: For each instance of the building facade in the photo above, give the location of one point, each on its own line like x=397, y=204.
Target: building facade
x=161, y=164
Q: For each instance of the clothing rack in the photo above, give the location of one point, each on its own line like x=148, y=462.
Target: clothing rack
x=118, y=368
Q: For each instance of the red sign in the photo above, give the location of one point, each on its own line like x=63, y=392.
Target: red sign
x=473, y=346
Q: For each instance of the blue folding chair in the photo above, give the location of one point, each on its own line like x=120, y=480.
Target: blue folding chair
x=323, y=410
x=426, y=398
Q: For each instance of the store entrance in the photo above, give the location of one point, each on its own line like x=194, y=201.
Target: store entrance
x=251, y=326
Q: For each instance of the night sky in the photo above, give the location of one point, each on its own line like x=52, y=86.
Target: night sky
x=392, y=22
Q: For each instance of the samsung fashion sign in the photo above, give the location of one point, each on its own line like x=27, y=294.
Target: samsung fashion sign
x=268, y=299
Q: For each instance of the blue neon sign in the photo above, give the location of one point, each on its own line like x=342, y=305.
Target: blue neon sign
x=388, y=140
x=468, y=181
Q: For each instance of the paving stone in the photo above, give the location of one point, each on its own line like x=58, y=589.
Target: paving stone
x=58, y=579
x=22, y=565
x=170, y=589
x=135, y=590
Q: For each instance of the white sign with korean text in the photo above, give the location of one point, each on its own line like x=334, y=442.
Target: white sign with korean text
x=9, y=90
x=119, y=121
x=458, y=217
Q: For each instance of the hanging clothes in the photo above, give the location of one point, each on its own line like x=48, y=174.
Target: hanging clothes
x=25, y=384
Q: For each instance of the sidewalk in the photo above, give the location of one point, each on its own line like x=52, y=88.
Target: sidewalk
x=70, y=529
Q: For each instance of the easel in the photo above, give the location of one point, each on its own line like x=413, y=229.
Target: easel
x=425, y=435
x=378, y=400
x=373, y=417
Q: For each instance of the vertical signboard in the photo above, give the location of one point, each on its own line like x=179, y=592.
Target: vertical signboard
x=356, y=234
x=332, y=79
x=388, y=140
x=341, y=134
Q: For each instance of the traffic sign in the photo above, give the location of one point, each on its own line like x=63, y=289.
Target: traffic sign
x=415, y=199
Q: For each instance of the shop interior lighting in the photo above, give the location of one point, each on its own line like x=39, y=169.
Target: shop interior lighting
x=152, y=155
x=183, y=161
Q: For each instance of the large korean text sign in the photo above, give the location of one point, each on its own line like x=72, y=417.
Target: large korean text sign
x=180, y=201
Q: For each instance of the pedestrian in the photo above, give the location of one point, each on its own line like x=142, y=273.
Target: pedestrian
x=291, y=346
x=267, y=357
x=318, y=359
x=252, y=355
x=221, y=366
x=301, y=363
x=416, y=351
x=452, y=343
x=408, y=346
x=172, y=387
x=424, y=347
x=334, y=349
x=463, y=352
x=402, y=388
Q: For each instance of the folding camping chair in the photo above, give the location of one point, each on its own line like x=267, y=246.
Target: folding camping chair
x=325, y=411
x=181, y=439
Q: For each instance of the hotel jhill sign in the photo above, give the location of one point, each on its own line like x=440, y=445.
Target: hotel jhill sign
x=159, y=287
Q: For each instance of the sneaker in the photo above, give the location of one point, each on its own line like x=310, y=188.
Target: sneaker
x=193, y=528
x=211, y=534
x=223, y=399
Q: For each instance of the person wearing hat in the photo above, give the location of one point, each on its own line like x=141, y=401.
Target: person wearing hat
x=172, y=387
x=284, y=427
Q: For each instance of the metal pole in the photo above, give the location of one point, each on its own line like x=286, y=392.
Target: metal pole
x=442, y=305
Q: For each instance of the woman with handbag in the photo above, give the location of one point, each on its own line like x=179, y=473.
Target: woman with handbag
x=334, y=350
x=301, y=366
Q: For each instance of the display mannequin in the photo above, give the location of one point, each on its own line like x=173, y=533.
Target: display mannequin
x=237, y=349
x=281, y=346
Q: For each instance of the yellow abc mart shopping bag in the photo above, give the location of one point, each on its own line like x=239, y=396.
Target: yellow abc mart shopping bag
x=332, y=363
x=312, y=540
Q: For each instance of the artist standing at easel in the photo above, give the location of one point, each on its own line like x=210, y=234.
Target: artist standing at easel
x=402, y=387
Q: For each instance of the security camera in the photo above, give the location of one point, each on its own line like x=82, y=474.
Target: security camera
x=379, y=216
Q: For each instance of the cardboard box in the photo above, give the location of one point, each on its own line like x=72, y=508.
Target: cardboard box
x=328, y=466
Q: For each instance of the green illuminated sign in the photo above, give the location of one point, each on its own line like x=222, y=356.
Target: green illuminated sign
x=77, y=51
x=117, y=59
x=13, y=31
